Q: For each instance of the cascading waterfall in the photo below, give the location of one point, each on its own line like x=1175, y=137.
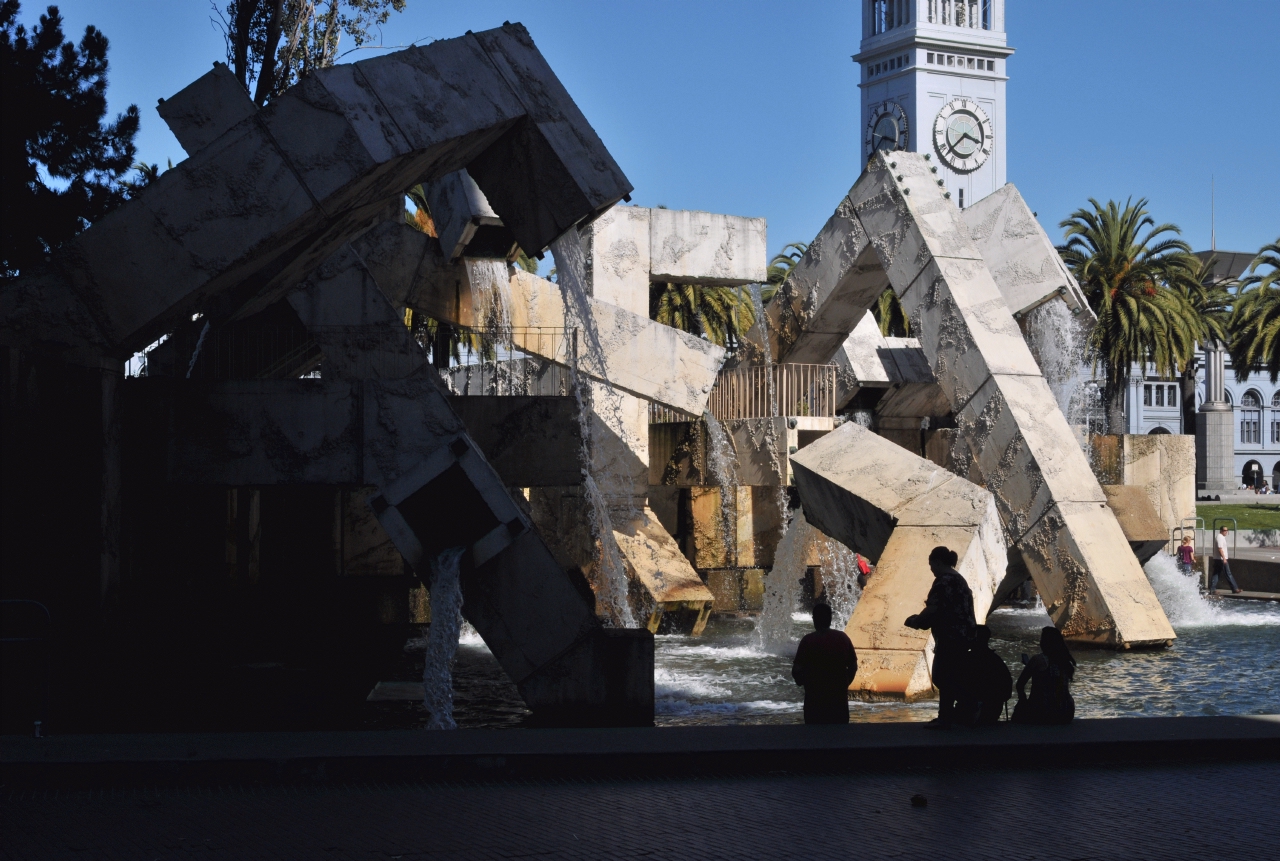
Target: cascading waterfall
x=723, y=465
x=1057, y=340
x=838, y=566
x=782, y=587
x=442, y=639
x=490, y=286
x=599, y=483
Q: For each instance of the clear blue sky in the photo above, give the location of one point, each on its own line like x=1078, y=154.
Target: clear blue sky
x=751, y=108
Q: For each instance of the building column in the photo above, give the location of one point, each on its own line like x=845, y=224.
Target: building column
x=1215, y=426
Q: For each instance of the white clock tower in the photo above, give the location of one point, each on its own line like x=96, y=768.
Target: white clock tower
x=933, y=76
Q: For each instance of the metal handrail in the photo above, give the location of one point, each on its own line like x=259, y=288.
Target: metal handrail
x=43, y=720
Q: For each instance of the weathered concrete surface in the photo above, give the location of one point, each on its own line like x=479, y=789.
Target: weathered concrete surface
x=1013, y=439
x=1164, y=465
x=687, y=246
x=895, y=507
x=266, y=202
x=616, y=246
x=1138, y=519
x=896, y=370
x=530, y=441
x=641, y=357
x=202, y=111
x=664, y=586
x=465, y=222
x=1020, y=256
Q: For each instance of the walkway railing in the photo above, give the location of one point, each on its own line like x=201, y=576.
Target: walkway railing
x=801, y=390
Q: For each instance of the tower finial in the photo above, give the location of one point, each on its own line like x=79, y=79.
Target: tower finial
x=1213, y=233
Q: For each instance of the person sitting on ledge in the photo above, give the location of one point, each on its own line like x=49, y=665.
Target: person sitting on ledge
x=825, y=665
x=989, y=676
x=1050, y=674
x=948, y=611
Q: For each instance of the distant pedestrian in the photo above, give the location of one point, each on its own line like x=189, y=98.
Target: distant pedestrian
x=948, y=612
x=990, y=681
x=1050, y=674
x=825, y=665
x=1186, y=556
x=1223, y=564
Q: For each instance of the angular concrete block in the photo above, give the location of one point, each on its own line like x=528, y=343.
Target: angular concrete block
x=1019, y=255
x=956, y=309
x=1013, y=435
x=201, y=111
x=617, y=256
x=530, y=441
x=687, y=246
x=894, y=508
x=1138, y=519
x=465, y=222
x=1092, y=586
x=827, y=293
x=1164, y=465
x=668, y=585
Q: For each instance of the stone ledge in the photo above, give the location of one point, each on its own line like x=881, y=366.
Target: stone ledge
x=311, y=757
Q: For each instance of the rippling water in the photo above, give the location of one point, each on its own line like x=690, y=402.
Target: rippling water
x=1226, y=660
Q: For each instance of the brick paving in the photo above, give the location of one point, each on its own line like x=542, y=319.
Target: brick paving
x=1160, y=812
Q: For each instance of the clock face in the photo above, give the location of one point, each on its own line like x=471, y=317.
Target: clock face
x=962, y=135
x=887, y=129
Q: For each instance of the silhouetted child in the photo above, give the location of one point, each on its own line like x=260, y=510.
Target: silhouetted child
x=825, y=664
x=989, y=677
x=948, y=612
x=1050, y=674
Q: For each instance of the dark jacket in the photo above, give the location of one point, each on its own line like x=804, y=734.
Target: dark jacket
x=825, y=664
x=948, y=612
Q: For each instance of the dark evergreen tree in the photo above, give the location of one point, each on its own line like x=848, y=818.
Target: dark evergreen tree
x=61, y=166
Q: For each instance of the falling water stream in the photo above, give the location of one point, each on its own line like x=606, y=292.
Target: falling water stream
x=442, y=639
x=723, y=464
x=599, y=483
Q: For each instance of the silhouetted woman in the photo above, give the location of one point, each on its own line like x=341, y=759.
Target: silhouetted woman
x=1050, y=674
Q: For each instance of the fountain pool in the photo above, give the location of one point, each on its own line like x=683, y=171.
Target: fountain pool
x=1226, y=660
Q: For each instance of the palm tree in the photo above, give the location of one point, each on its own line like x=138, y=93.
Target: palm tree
x=722, y=315
x=889, y=314
x=1137, y=285
x=1255, y=320
x=1210, y=301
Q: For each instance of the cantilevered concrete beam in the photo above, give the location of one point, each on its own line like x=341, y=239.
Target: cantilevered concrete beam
x=641, y=357
x=260, y=206
x=894, y=507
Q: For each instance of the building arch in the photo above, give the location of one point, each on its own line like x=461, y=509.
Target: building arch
x=1251, y=398
x=1275, y=476
x=1158, y=430
x=1275, y=399
x=1252, y=474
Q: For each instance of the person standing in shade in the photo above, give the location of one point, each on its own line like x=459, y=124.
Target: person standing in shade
x=948, y=612
x=1223, y=565
x=825, y=665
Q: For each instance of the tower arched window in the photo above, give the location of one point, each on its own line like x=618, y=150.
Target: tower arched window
x=1275, y=400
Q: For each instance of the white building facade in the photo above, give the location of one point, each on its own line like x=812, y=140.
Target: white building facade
x=933, y=81
x=1153, y=406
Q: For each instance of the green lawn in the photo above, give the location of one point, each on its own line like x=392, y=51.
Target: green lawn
x=1260, y=516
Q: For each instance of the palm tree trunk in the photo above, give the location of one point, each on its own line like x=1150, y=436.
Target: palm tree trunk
x=1116, y=422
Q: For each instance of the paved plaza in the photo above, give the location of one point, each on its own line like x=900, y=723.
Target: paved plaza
x=1160, y=812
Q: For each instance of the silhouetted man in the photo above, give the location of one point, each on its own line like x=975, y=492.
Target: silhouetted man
x=948, y=611
x=990, y=681
x=825, y=664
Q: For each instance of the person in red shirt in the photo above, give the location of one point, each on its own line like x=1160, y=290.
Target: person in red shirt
x=825, y=665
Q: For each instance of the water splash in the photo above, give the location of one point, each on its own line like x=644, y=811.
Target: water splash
x=782, y=587
x=442, y=639
x=838, y=567
x=722, y=462
x=610, y=574
x=1058, y=342
x=1186, y=607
